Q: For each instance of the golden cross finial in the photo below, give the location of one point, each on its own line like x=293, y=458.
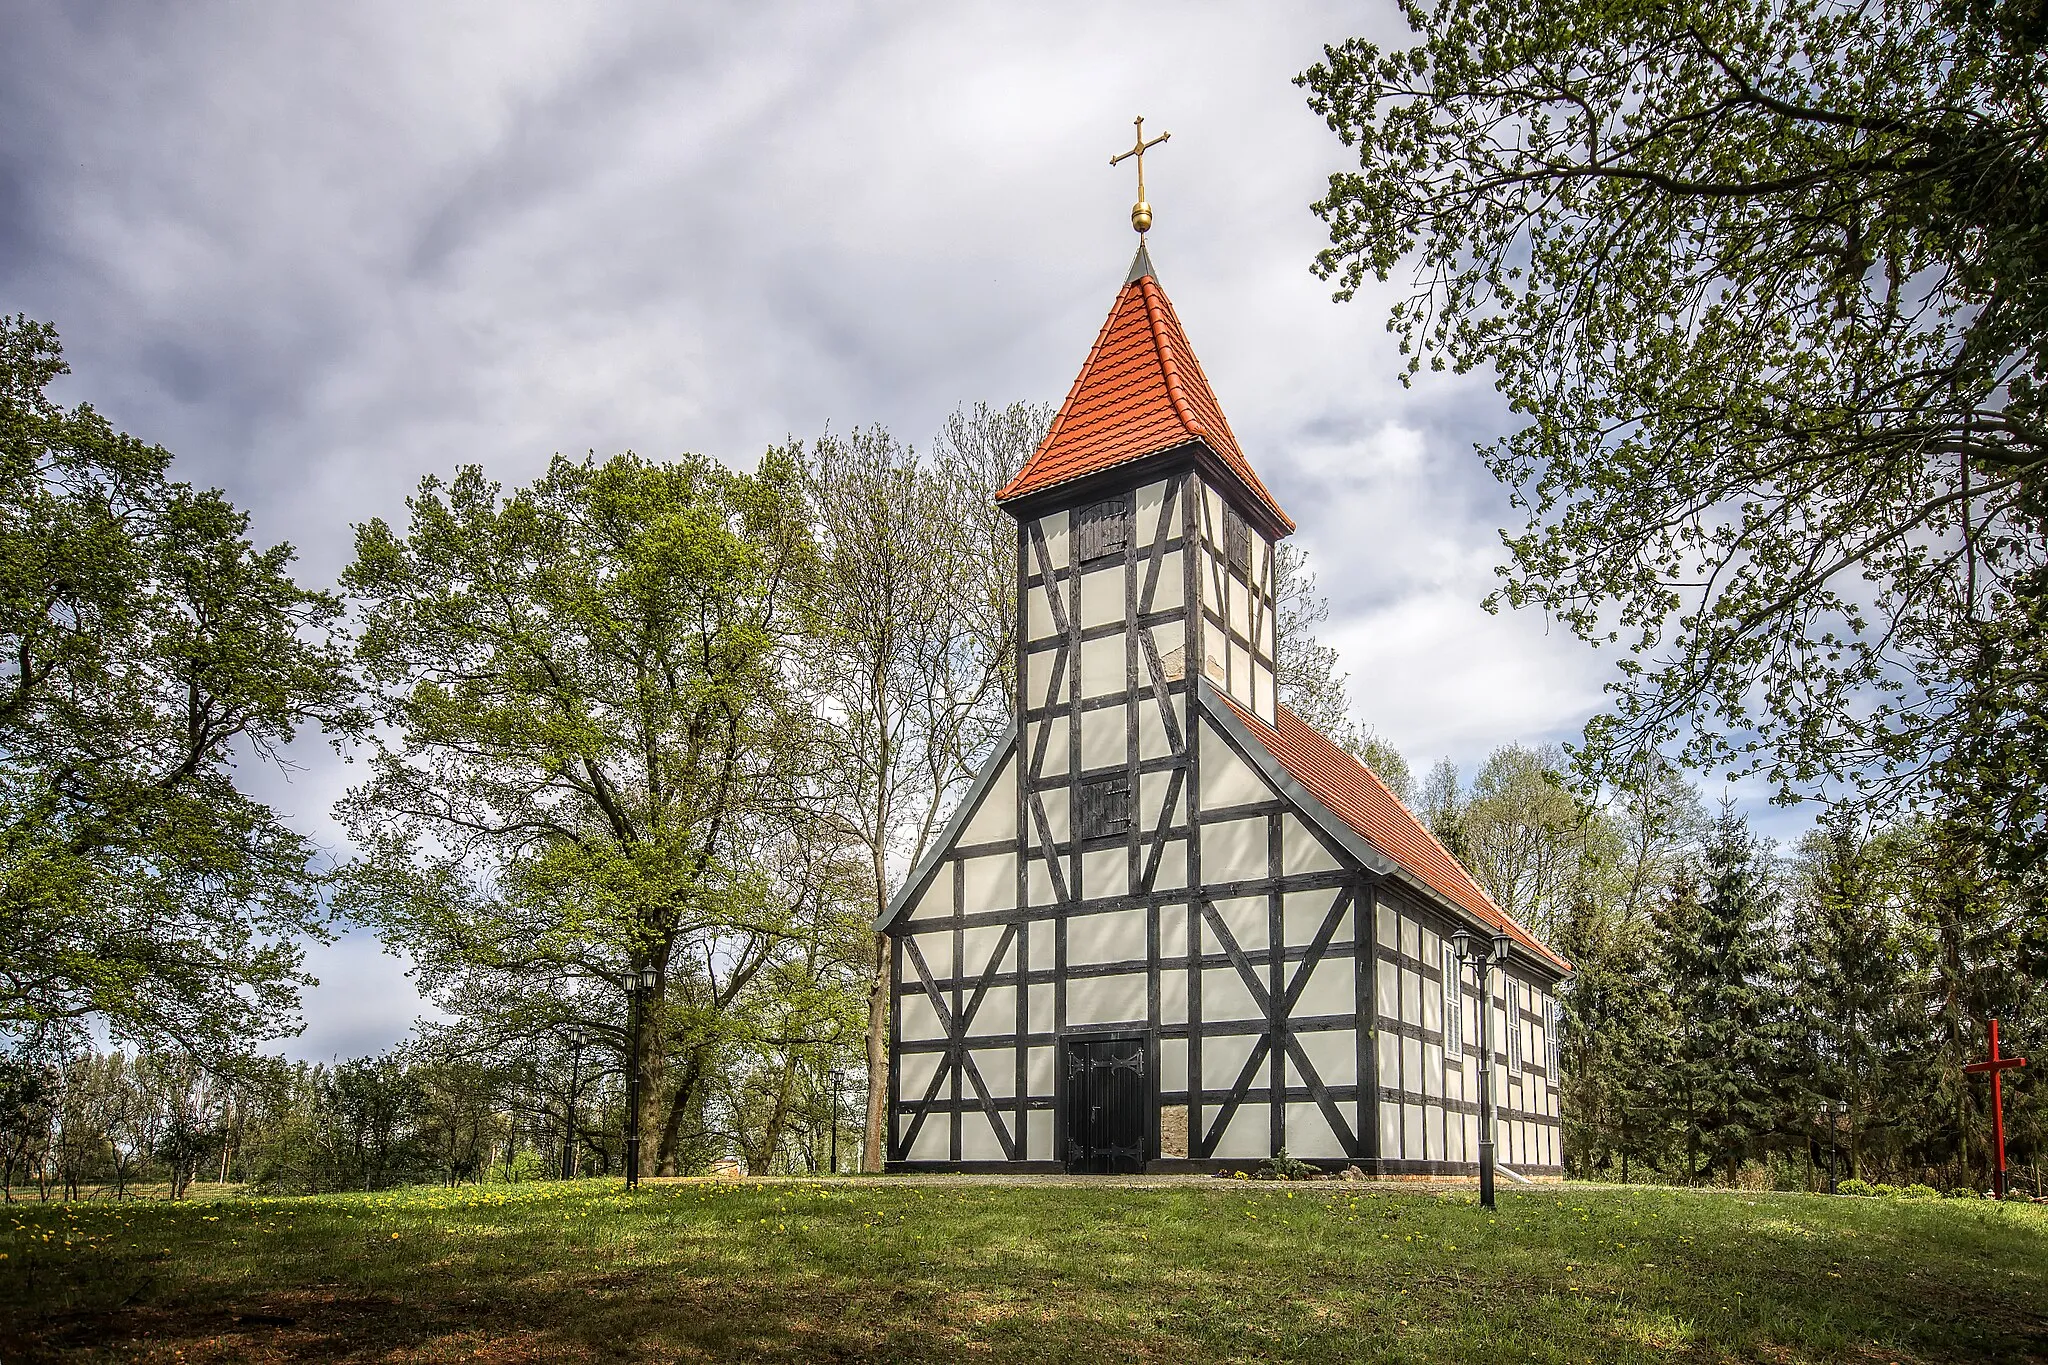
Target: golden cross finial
x=1141, y=212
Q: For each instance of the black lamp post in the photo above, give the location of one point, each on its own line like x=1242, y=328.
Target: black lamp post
x=645, y=982
x=1483, y=956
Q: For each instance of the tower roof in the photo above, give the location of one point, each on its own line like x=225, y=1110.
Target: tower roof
x=1140, y=392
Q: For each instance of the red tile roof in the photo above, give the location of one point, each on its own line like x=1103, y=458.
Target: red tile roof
x=1140, y=392
x=1362, y=801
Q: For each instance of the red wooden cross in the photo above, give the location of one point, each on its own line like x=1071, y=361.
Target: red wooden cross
x=1995, y=1068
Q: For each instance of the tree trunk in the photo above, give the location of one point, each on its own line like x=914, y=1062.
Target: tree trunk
x=679, y=1106
x=878, y=1058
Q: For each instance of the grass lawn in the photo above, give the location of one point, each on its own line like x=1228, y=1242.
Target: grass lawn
x=902, y=1271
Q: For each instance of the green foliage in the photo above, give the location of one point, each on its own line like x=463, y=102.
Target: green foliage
x=1767, y=281
x=1281, y=1166
x=146, y=647
x=1916, y=1190
x=596, y=741
x=1857, y=1187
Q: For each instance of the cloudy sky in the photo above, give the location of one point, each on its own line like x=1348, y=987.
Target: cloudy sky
x=319, y=251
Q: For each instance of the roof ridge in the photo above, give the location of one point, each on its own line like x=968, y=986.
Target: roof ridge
x=1149, y=288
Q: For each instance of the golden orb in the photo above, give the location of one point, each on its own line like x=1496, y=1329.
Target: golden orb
x=1141, y=216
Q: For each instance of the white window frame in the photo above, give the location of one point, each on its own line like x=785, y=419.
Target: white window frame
x=1454, y=1000
x=1512, y=999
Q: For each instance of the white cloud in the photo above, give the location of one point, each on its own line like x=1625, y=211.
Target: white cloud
x=321, y=252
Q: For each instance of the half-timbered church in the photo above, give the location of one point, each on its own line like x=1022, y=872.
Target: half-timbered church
x=1171, y=926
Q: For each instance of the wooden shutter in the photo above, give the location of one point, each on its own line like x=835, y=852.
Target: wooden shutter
x=1105, y=529
x=1454, y=1019
x=1105, y=808
x=1515, y=1040
x=1237, y=541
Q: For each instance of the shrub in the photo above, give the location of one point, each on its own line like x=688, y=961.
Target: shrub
x=1918, y=1191
x=1962, y=1192
x=1857, y=1187
x=1888, y=1191
x=1281, y=1166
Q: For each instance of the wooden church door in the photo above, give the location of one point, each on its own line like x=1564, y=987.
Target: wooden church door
x=1109, y=1096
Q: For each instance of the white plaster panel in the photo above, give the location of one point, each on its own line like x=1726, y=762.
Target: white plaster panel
x=998, y=1068
x=1433, y=1131
x=1102, y=595
x=996, y=817
x=978, y=1140
x=1172, y=873
x=1038, y=619
x=1118, y=936
x=1241, y=675
x=1454, y=1138
x=935, y=902
x=1106, y=872
x=1411, y=1132
x=1105, y=739
x=978, y=945
x=934, y=1140
x=990, y=883
x=1247, y=919
x=1173, y=995
x=1303, y=912
x=1054, y=525
x=1224, y=1056
x=1173, y=929
x=1302, y=850
x=1262, y=693
x=1053, y=763
x=1411, y=995
x=1240, y=607
x=1055, y=800
x=1411, y=938
x=1228, y=780
x=1433, y=1069
x=1470, y=1123
x=998, y=1012
x=920, y=1020
x=1038, y=944
x=1039, y=999
x=1330, y=990
x=1038, y=883
x=1432, y=1008
x=1390, y=925
x=1384, y=988
x=1388, y=1046
x=1309, y=1135
x=1038, y=1071
x=1169, y=588
x=1224, y=996
x=1411, y=1066
x=1234, y=850
x=1173, y=1064
x=1152, y=789
x=1106, y=999
x=1102, y=666
x=914, y=1072
x=1038, y=679
x=1249, y=1135
x=1212, y=515
x=1333, y=1053
x=937, y=947
x=1038, y=1137
x=1151, y=498
x=1390, y=1130
x=1153, y=740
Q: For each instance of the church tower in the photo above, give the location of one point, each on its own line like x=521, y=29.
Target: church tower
x=1170, y=925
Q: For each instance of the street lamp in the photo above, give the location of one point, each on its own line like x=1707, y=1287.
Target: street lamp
x=644, y=983
x=1483, y=956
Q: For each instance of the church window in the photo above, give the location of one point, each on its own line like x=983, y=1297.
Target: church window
x=1551, y=1015
x=1105, y=529
x=1454, y=1019
x=1514, y=1004
x=1237, y=541
x=1105, y=808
